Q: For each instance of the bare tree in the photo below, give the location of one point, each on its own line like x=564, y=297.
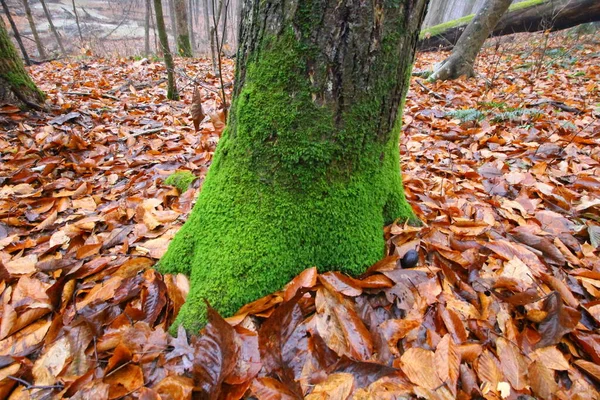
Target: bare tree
x=76, y=20
x=172, y=93
x=171, y=5
x=462, y=59
x=34, y=32
x=183, y=36
x=16, y=32
x=190, y=22
x=53, y=28
x=147, y=27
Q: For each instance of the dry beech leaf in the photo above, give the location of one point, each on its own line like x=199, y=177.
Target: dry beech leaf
x=541, y=380
x=513, y=363
x=271, y=389
x=560, y=320
x=196, y=109
x=447, y=362
x=419, y=365
x=336, y=386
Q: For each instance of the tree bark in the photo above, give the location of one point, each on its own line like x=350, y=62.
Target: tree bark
x=34, y=32
x=307, y=172
x=184, y=47
x=462, y=59
x=147, y=27
x=172, y=93
x=206, y=25
x=190, y=22
x=16, y=32
x=171, y=5
x=551, y=15
x=16, y=86
x=76, y=21
x=52, y=28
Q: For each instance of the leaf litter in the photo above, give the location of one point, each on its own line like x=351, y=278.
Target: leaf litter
x=503, y=301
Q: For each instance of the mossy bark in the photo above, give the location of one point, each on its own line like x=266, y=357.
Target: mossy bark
x=16, y=86
x=16, y=32
x=172, y=93
x=307, y=172
x=184, y=47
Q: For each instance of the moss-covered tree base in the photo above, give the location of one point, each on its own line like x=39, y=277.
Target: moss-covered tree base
x=307, y=172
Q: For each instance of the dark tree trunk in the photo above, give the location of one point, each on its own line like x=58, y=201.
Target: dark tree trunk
x=53, y=28
x=462, y=59
x=76, y=20
x=16, y=87
x=184, y=47
x=172, y=93
x=34, y=32
x=551, y=15
x=308, y=171
x=16, y=32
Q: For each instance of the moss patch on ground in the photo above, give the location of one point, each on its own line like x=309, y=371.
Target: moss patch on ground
x=181, y=180
x=438, y=29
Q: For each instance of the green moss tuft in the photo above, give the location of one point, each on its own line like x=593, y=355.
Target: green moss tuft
x=286, y=190
x=181, y=180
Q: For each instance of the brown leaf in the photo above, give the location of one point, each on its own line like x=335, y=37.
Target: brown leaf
x=419, y=365
x=336, y=386
x=336, y=281
x=454, y=324
x=196, y=109
x=341, y=328
x=559, y=321
x=542, y=380
x=394, y=330
x=447, y=362
x=488, y=371
x=25, y=341
x=590, y=368
x=513, y=363
x=175, y=388
x=305, y=279
x=124, y=380
x=270, y=389
x=214, y=358
x=248, y=362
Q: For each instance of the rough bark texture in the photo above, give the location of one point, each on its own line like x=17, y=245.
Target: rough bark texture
x=172, y=93
x=462, y=59
x=551, y=15
x=16, y=32
x=184, y=48
x=34, y=32
x=307, y=172
x=16, y=87
x=53, y=28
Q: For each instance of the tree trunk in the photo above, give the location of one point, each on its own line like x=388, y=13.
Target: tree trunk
x=462, y=59
x=76, y=20
x=528, y=16
x=16, y=32
x=307, y=172
x=34, y=32
x=172, y=93
x=147, y=28
x=52, y=28
x=16, y=87
x=206, y=24
x=171, y=5
x=183, y=37
x=190, y=22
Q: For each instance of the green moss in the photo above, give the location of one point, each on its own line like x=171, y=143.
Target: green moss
x=286, y=190
x=184, y=47
x=20, y=80
x=438, y=29
x=181, y=180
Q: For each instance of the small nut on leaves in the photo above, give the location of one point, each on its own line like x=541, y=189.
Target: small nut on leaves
x=410, y=259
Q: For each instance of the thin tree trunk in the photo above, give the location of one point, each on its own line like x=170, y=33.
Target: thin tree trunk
x=183, y=36
x=308, y=171
x=172, y=93
x=172, y=17
x=36, y=37
x=462, y=59
x=147, y=28
x=76, y=20
x=52, y=28
x=208, y=35
x=191, y=25
x=16, y=86
x=16, y=32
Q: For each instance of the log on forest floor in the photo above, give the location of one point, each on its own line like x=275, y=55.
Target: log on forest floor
x=527, y=16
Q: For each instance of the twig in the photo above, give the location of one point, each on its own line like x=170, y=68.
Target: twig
x=558, y=104
x=429, y=91
x=86, y=94
x=29, y=386
x=141, y=133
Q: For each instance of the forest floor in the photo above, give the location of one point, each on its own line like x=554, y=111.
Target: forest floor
x=504, y=171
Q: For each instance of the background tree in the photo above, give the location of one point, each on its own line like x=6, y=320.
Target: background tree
x=34, y=32
x=184, y=47
x=307, y=172
x=462, y=59
x=16, y=32
x=16, y=86
x=76, y=20
x=52, y=27
x=147, y=27
x=172, y=93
